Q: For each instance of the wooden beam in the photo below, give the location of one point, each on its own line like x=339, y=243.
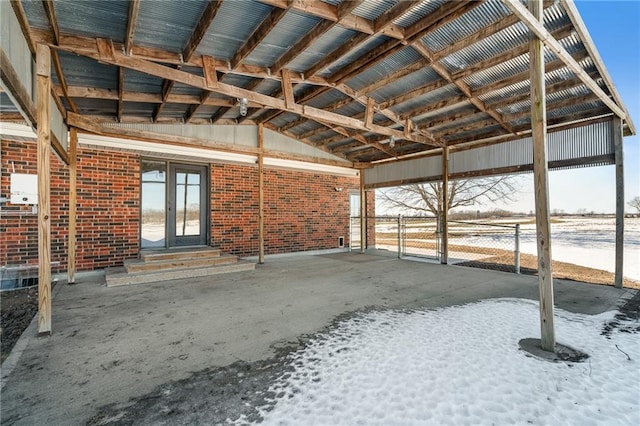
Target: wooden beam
x=17, y=91
x=151, y=68
x=73, y=195
x=461, y=84
x=18, y=9
x=287, y=89
x=541, y=185
x=260, y=193
x=330, y=12
x=618, y=146
x=552, y=44
x=444, y=255
x=258, y=35
x=368, y=116
x=201, y=29
x=363, y=214
x=414, y=93
x=50, y=11
x=134, y=8
x=120, y=93
x=152, y=98
x=444, y=14
x=210, y=74
x=43, y=111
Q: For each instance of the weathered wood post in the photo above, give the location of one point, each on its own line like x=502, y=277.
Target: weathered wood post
x=43, y=113
x=444, y=259
x=260, y=193
x=363, y=214
x=541, y=184
x=73, y=194
x=617, y=141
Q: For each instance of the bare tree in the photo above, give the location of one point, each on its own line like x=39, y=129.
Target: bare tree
x=635, y=204
x=425, y=198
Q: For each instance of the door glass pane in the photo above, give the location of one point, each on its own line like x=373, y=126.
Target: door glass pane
x=187, y=203
x=153, y=203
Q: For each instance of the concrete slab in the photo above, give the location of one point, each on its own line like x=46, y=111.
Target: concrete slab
x=112, y=344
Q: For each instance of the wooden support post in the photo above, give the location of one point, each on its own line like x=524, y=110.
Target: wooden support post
x=260, y=193
x=444, y=258
x=73, y=194
x=43, y=114
x=617, y=141
x=363, y=214
x=541, y=184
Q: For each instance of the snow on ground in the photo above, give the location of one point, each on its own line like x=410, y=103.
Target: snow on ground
x=589, y=242
x=460, y=365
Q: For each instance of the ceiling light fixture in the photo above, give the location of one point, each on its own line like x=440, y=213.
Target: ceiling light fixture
x=243, y=106
x=392, y=141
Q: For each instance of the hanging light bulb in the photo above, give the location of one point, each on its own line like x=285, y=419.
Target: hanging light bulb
x=392, y=141
x=243, y=106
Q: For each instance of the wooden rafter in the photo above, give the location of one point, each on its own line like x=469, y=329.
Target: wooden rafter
x=132, y=19
x=116, y=58
x=329, y=12
x=198, y=33
x=382, y=23
x=134, y=8
x=258, y=35
x=55, y=57
x=440, y=17
x=462, y=85
x=552, y=44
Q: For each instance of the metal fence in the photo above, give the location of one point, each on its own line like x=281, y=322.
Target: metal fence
x=472, y=243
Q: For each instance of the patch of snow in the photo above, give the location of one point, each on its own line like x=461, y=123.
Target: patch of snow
x=459, y=365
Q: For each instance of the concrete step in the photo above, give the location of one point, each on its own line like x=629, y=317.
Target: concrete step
x=118, y=276
x=137, y=265
x=178, y=254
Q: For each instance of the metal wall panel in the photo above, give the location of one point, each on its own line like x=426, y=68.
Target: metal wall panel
x=15, y=47
x=237, y=135
x=421, y=168
x=585, y=142
x=581, y=142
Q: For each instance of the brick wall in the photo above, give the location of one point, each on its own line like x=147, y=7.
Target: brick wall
x=303, y=210
x=108, y=208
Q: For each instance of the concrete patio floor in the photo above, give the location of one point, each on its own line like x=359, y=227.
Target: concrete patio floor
x=112, y=344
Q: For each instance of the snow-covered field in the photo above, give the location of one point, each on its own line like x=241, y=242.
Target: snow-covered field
x=460, y=365
x=589, y=242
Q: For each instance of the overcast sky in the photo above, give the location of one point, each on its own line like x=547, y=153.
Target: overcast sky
x=614, y=28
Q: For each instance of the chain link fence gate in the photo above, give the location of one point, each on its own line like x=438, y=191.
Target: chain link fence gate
x=475, y=244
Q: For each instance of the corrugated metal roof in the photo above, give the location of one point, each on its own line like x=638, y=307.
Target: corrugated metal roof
x=282, y=37
x=418, y=12
x=414, y=80
x=372, y=10
x=167, y=24
x=368, y=45
x=426, y=99
x=138, y=108
x=6, y=105
x=321, y=47
x=467, y=24
x=233, y=24
x=106, y=19
x=399, y=60
x=96, y=106
x=135, y=81
x=85, y=72
x=34, y=10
